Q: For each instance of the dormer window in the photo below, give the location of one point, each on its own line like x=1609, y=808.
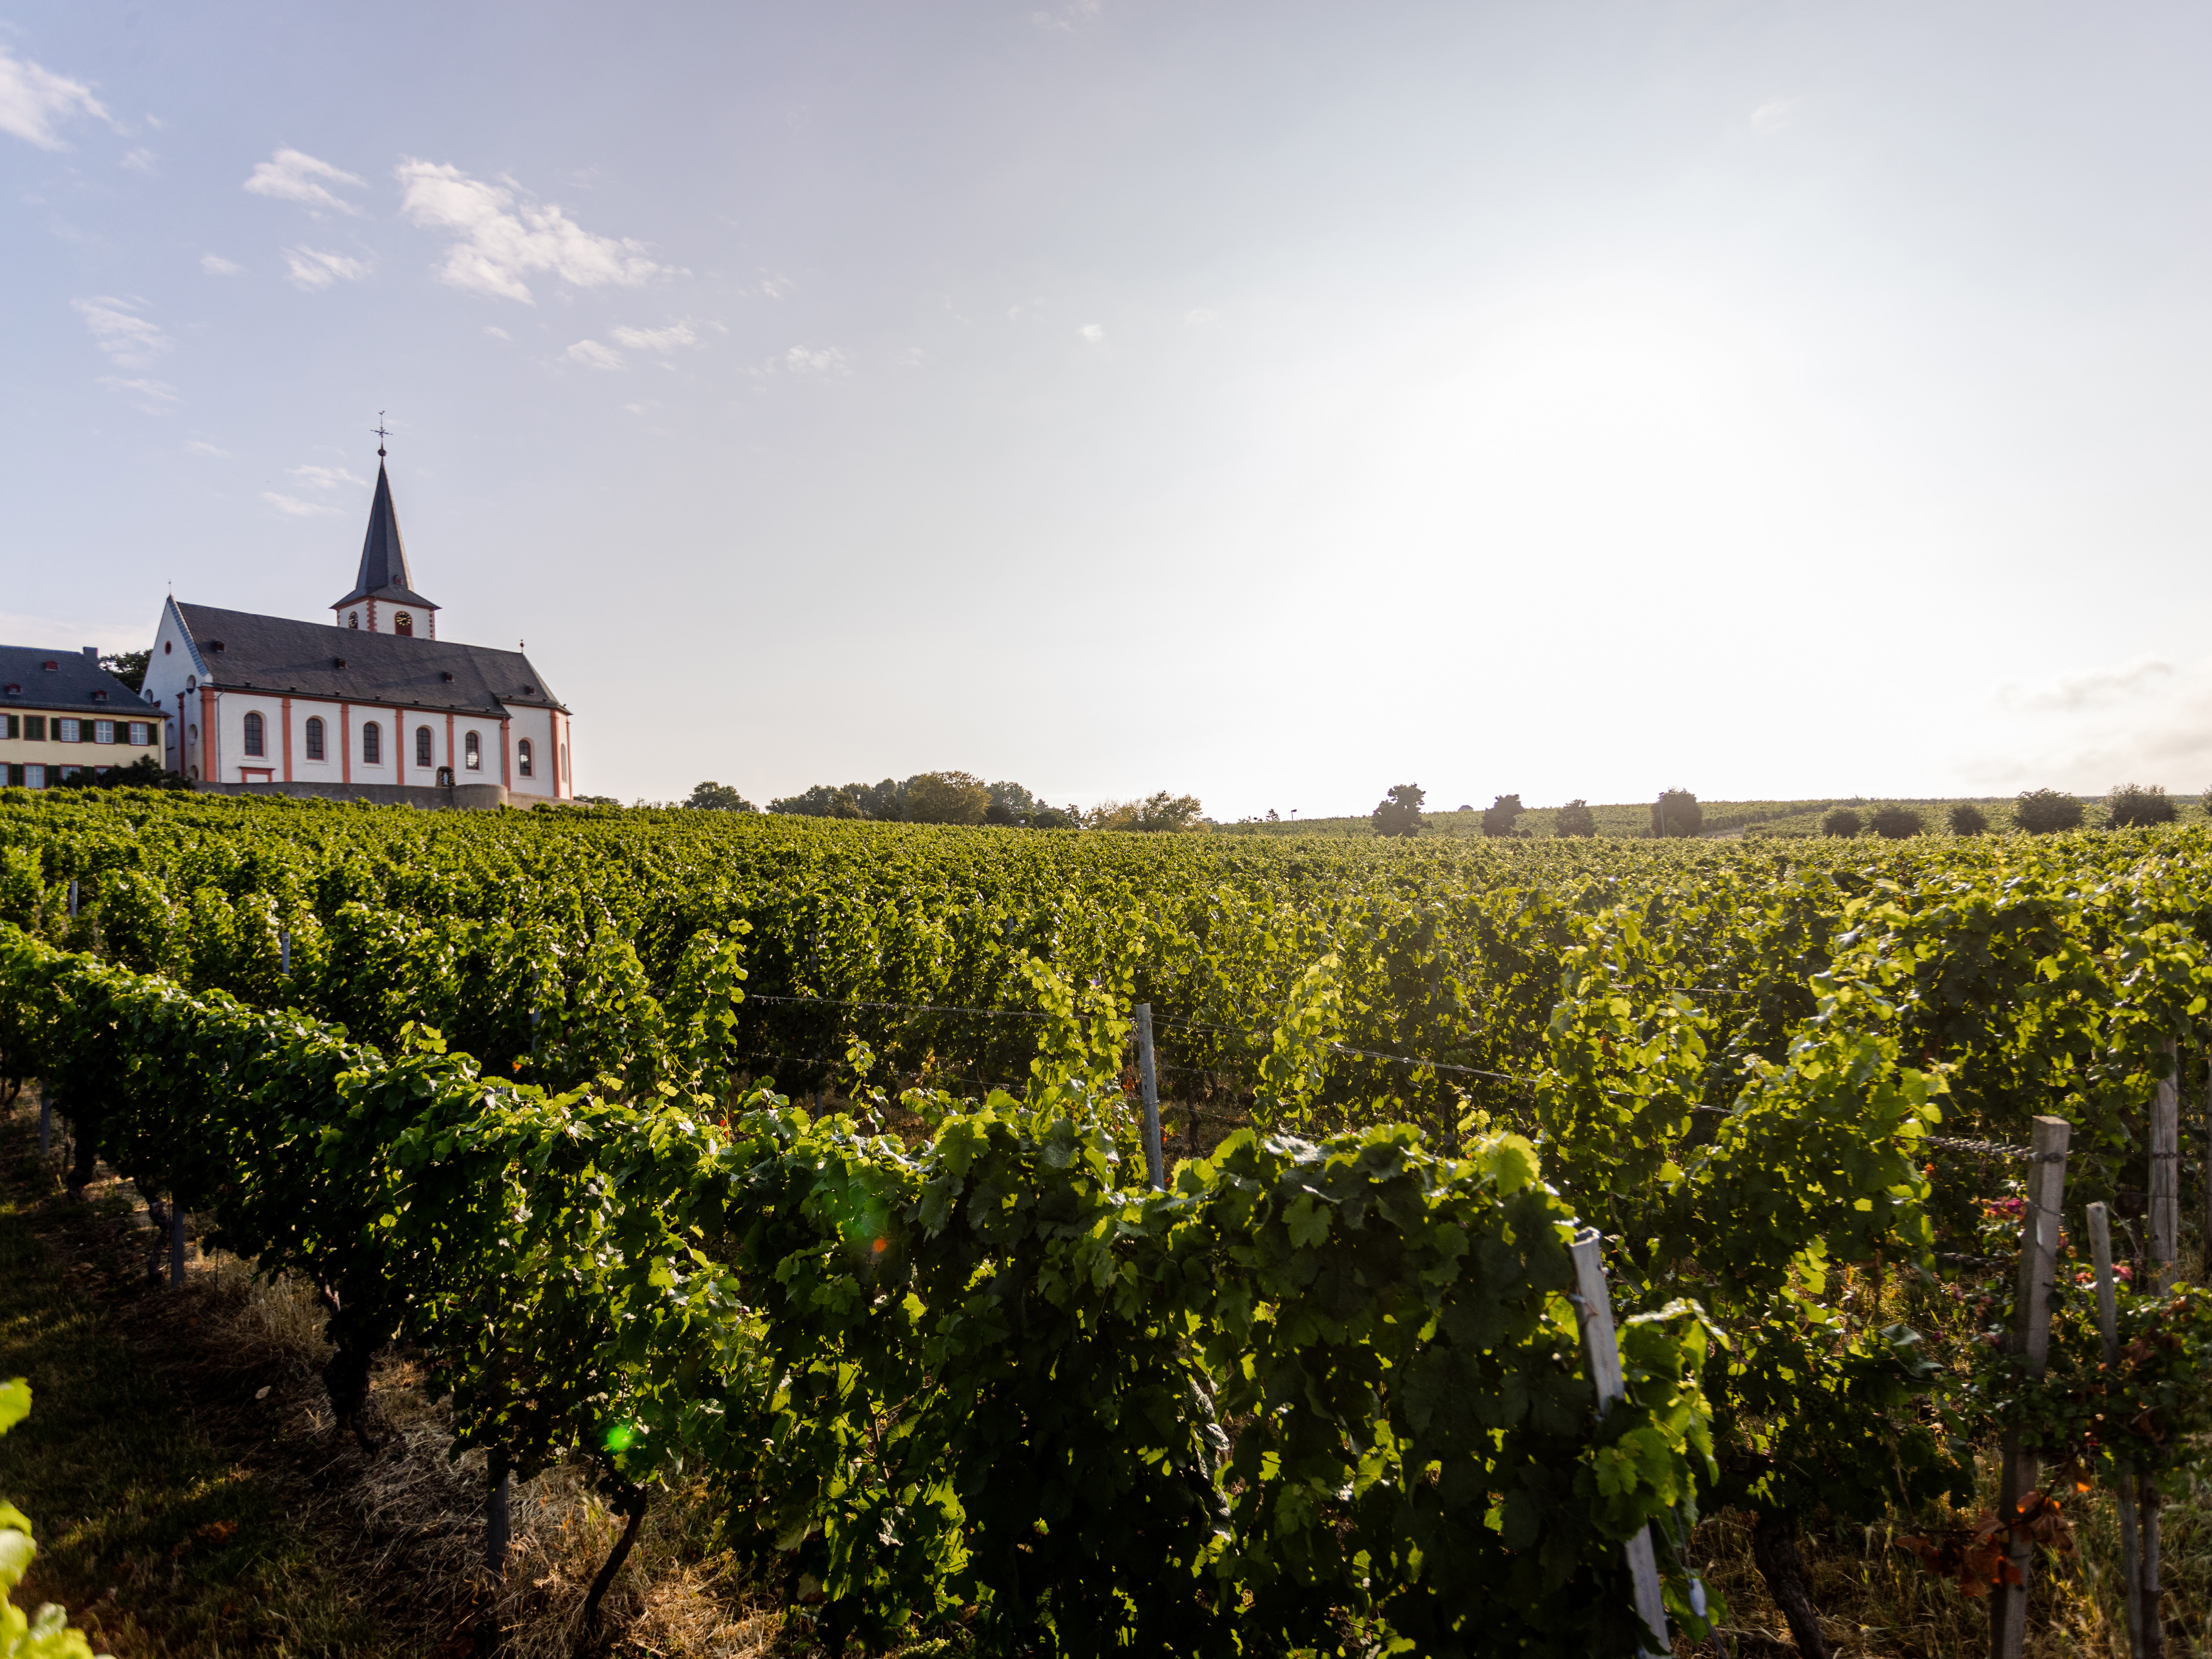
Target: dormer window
x=99, y=696
x=215, y=644
x=337, y=662
x=447, y=675
x=51, y=667
x=15, y=691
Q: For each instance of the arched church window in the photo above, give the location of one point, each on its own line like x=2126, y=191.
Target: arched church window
x=421, y=745
x=403, y=623
x=253, y=735
x=473, y=752
x=372, y=744
x=353, y=619
x=522, y=758
x=314, y=737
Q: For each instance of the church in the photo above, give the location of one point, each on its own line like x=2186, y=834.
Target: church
x=370, y=706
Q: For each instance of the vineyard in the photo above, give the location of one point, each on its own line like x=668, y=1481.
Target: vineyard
x=807, y=1160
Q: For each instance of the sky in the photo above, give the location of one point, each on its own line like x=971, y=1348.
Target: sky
x=1268, y=403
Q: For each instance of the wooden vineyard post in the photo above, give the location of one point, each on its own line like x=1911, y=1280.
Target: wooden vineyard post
x=176, y=1242
x=497, y=1529
x=1604, y=1350
x=72, y=902
x=45, y=1121
x=2038, y=1268
x=2108, y=1323
x=2165, y=1186
x=1155, y=1168
x=284, y=952
x=2165, y=1173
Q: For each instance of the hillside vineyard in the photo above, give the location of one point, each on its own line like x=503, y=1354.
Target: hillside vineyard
x=944, y=1354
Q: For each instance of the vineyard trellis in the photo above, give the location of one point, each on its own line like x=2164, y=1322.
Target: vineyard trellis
x=1730, y=1061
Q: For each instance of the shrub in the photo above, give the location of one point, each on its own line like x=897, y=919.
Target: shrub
x=2130, y=805
x=2043, y=811
x=1967, y=819
x=1160, y=812
x=1842, y=821
x=1676, y=812
x=1399, y=813
x=1497, y=817
x=1575, y=819
x=1896, y=823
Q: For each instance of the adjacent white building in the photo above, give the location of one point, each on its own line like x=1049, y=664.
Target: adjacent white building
x=371, y=701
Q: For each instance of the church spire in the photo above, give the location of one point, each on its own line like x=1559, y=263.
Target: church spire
x=383, y=599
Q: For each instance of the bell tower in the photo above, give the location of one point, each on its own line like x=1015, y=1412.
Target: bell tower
x=383, y=599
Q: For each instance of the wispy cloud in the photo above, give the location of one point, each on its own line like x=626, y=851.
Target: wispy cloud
x=775, y=287
x=1200, y=318
x=216, y=266
x=326, y=477
x=1093, y=334
x=293, y=508
x=148, y=397
x=202, y=446
x=1065, y=20
x=500, y=238
x=828, y=361
x=497, y=333
x=1774, y=114
x=593, y=354
x=915, y=357
x=33, y=99
x=118, y=328
x=293, y=175
x=140, y=161
x=656, y=339
x=2100, y=688
x=312, y=269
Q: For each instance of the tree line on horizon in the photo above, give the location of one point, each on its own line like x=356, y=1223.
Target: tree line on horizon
x=961, y=798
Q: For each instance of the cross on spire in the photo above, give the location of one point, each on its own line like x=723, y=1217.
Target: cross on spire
x=381, y=435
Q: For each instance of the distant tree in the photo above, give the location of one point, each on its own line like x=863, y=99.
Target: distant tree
x=814, y=803
x=719, y=798
x=1497, y=817
x=1399, y=812
x=1162, y=811
x=1055, y=818
x=1011, y=803
x=1842, y=821
x=128, y=667
x=1575, y=818
x=1464, y=807
x=2045, y=811
x=1676, y=812
x=2132, y=806
x=1273, y=817
x=946, y=798
x=1896, y=823
x=1967, y=819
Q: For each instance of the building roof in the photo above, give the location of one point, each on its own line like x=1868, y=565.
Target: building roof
x=383, y=573
x=69, y=682
x=237, y=650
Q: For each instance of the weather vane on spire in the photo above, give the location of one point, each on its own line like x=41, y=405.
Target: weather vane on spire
x=381, y=435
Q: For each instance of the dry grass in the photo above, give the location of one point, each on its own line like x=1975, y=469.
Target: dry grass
x=388, y=1546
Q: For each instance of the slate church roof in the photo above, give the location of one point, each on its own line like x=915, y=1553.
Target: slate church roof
x=239, y=651
x=383, y=555
x=72, y=681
